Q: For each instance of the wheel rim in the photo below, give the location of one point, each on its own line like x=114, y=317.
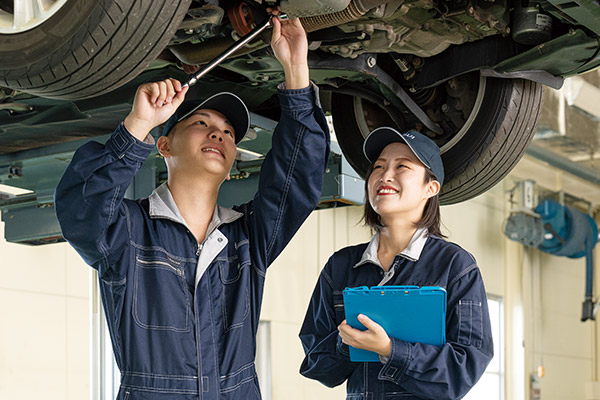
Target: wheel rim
x=478, y=101
x=368, y=119
x=369, y=116
x=24, y=15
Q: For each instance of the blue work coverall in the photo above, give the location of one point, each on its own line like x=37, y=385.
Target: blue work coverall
x=413, y=370
x=183, y=315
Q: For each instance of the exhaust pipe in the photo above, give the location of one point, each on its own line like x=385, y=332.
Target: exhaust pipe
x=355, y=10
x=201, y=54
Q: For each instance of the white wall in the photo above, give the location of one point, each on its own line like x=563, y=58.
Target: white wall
x=44, y=309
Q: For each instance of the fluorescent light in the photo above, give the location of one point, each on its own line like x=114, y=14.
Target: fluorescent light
x=12, y=191
x=583, y=95
x=247, y=155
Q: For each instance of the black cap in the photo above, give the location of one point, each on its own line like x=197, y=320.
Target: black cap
x=228, y=104
x=424, y=148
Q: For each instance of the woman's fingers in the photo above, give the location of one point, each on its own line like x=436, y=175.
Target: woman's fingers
x=368, y=323
x=374, y=338
x=348, y=334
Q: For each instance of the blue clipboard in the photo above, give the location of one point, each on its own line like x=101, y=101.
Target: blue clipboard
x=411, y=313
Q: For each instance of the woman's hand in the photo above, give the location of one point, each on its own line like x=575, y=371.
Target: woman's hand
x=290, y=45
x=154, y=103
x=373, y=339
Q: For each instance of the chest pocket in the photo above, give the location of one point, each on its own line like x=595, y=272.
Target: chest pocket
x=234, y=273
x=161, y=298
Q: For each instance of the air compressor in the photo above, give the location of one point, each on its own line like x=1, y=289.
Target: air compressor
x=560, y=230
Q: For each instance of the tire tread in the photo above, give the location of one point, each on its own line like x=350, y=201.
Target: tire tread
x=116, y=42
x=513, y=133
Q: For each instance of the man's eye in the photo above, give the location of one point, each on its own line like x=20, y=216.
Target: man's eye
x=377, y=167
x=401, y=166
x=201, y=122
x=228, y=132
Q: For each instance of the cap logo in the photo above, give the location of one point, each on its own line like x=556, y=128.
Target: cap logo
x=409, y=135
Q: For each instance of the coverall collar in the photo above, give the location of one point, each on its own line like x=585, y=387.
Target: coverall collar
x=412, y=252
x=162, y=205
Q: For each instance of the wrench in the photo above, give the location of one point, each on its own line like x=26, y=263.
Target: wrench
x=193, y=78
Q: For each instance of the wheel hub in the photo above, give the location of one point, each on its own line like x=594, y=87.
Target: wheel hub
x=22, y=15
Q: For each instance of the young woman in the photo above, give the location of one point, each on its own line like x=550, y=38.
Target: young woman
x=402, y=207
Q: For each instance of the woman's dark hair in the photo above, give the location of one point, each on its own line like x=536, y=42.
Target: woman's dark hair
x=431, y=218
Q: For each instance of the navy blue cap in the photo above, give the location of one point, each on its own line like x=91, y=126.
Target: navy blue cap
x=228, y=104
x=424, y=148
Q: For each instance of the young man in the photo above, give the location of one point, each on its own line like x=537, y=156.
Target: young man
x=182, y=278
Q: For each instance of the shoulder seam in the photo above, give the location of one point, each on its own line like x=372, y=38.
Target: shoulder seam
x=462, y=273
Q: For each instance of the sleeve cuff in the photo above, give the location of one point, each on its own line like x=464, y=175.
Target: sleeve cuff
x=394, y=368
x=123, y=144
x=299, y=99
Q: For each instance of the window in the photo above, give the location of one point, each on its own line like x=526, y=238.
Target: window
x=105, y=374
x=491, y=384
x=263, y=358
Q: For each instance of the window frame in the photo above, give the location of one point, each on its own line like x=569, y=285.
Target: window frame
x=499, y=349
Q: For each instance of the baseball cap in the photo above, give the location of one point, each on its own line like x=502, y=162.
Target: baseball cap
x=228, y=104
x=424, y=148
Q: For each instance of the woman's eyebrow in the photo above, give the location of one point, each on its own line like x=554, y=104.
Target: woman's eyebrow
x=395, y=159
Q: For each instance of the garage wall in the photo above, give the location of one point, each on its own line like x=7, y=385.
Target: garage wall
x=44, y=311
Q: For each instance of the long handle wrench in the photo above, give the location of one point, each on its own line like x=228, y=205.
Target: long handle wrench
x=193, y=78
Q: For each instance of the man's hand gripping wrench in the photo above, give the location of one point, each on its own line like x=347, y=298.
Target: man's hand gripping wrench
x=193, y=78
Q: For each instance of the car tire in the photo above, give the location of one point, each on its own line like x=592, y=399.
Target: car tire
x=490, y=144
x=88, y=47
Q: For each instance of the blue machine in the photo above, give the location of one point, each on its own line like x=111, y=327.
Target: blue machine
x=561, y=231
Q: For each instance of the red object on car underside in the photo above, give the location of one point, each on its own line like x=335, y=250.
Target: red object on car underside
x=241, y=18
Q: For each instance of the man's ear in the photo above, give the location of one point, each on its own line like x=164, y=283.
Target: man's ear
x=163, y=146
x=433, y=188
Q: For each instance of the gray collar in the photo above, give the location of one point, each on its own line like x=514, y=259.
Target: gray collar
x=162, y=205
x=412, y=252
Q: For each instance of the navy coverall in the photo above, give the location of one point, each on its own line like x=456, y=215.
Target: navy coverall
x=413, y=370
x=183, y=315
